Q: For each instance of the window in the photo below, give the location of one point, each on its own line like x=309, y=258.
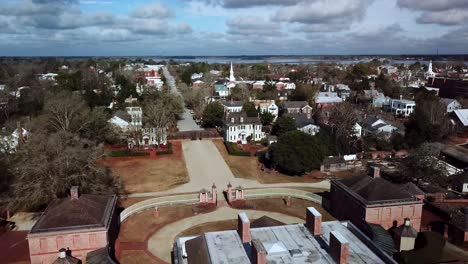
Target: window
x=43, y=245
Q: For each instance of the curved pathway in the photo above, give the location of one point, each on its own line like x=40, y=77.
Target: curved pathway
x=160, y=244
x=206, y=166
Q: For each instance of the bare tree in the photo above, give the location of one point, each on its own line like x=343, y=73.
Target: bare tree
x=66, y=112
x=342, y=120
x=161, y=112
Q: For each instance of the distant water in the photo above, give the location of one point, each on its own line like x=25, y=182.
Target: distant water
x=345, y=60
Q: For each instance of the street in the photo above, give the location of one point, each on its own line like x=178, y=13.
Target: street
x=186, y=123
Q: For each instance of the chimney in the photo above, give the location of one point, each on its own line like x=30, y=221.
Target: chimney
x=339, y=248
x=259, y=253
x=314, y=221
x=62, y=253
x=74, y=193
x=243, y=227
x=20, y=133
x=375, y=172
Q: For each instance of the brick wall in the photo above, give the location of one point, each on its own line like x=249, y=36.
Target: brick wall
x=386, y=215
x=44, y=249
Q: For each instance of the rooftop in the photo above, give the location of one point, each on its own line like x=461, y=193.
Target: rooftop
x=88, y=211
x=238, y=118
x=295, y=104
x=232, y=103
x=283, y=244
x=375, y=190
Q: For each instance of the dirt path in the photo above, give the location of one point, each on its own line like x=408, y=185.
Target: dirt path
x=160, y=244
x=206, y=166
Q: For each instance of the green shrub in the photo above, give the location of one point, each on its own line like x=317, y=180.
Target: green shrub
x=126, y=153
x=168, y=151
x=234, y=150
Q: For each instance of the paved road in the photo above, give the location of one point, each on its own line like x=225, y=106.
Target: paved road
x=206, y=166
x=160, y=244
x=186, y=123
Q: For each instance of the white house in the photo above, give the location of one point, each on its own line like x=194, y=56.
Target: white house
x=221, y=90
x=232, y=106
x=238, y=128
x=267, y=106
x=47, y=76
x=196, y=76
x=10, y=143
x=357, y=130
x=325, y=99
x=290, y=86
x=451, y=104
x=375, y=125
x=154, y=82
x=151, y=137
x=121, y=120
x=462, y=115
x=402, y=107
x=136, y=115
x=2, y=87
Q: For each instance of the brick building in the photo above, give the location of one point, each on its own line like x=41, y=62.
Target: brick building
x=80, y=224
x=374, y=200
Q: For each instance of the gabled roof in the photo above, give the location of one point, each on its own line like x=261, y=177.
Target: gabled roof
x=295, y=104
x=301, y=119
x=123, y=115
x=447, y=101
x=232, y=103
x=462, y=115
x=239, y=118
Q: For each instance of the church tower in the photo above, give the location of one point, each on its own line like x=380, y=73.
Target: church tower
x=231, y=75
x=430, y=73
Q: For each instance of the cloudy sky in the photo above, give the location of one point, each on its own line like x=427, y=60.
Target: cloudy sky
x=232, y=27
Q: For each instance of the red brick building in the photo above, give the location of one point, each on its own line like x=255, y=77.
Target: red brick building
x=374, y=200
x=80, y=224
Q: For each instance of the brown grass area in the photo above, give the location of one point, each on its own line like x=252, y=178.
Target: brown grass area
x=138, y=227
x=210, y=227
x=247, y=167
x=142, y=174
x=297, y=208
x=136, y=257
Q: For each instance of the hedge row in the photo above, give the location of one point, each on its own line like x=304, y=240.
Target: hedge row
x=168, y=151
x=234, y=150
x=126, y=153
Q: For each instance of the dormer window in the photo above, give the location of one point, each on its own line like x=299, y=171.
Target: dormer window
x=242, y=120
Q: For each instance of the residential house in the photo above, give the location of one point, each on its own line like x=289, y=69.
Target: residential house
x=232, y=106
x=258, y=85
x=326, y=99
x=297, y=107
x=121, y=120
x=221, y=90
x=462, y=116
x=402, y=107
x=267, y=240
x=136, y=114
x=357, y=128
x=304, y=123
x=373, y=125
x=343, y=90
x=377, y=98
x=150, y=136
x=290, y=86
x=238, y=127
x=196, y=76
x=197, y=85
x=373, y=200
x=280, y=86
x=267, y=106
x=80, y=224
x=47, y=76
x=154, y=82
x=10, y=143
x=2, y=87
x=451, y=104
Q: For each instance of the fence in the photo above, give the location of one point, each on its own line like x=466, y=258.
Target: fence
x=159, y=201
x=212, y=133
x=282, y=192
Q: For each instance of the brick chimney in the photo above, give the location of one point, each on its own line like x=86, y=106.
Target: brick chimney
x=74, y=193
x=339, y=248
x=314, y=221
x=375, y=172
x=243, y=227
x=259, y=253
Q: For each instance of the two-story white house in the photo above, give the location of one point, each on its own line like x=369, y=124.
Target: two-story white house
x=136, y=115
x=402, y=107
x=238, y=127
x=232, y=106
x=267, y=106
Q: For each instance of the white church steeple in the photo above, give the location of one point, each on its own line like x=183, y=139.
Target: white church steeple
x=231, y=75
x=430, y=73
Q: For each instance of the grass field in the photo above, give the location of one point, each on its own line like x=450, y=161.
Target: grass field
x=150, y=174
x=248, y=168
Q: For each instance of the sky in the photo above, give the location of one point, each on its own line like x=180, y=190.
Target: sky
x=232, y=27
